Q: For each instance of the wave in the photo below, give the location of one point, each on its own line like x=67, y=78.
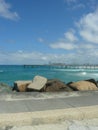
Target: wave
x=78, y=70
x=83, y=73
x=68, y=69
x=87, y=74
x=1, y=71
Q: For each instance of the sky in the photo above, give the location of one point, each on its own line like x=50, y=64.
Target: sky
x=43, y=31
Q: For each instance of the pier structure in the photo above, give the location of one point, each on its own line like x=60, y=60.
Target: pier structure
x=63, y=66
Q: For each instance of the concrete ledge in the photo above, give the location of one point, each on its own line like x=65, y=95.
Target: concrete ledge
x=46, y=95
x=48, y=116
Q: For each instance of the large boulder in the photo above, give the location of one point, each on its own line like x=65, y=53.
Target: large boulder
x=38, y=83
x=21, y=86
x=5, y=88
x=54, y=85
x=83, y=85
x=93, y=81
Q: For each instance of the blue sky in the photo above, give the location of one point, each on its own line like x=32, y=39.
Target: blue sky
x=40, y=31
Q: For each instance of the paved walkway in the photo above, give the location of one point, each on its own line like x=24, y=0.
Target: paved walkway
x=40, y=108
x=28, y=104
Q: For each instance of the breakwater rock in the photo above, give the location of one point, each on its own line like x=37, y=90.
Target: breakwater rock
x=83, y=86
x=21, y=86
x=42, y=84
x=53, y=85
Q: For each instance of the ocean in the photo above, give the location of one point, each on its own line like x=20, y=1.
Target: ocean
x=11, y=73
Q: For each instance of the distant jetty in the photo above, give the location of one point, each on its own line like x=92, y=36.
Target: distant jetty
x=63, y=66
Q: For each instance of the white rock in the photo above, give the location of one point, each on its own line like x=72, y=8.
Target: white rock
x=38, y=83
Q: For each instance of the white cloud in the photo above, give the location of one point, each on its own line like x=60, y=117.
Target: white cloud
x=75, y=4
x=86, y=56
x=70, y=1
x=40, y=39
x=33, y=58
x=80, y=4
x=87, y=46
x=89, y=27
x=70, y=36
x=5, y=11
x=20, y=51
x=21, y=57
x=63, y=45
x=67, y=43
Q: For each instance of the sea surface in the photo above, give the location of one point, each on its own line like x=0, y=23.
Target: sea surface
x=11, y=73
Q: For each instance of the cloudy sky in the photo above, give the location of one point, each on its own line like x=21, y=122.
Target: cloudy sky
x=40, y=31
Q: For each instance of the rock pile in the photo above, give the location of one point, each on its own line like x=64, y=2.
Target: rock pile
x=42, y=84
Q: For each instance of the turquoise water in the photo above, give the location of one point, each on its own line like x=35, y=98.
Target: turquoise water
x=11, y=73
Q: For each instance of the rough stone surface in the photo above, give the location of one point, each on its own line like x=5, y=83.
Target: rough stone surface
x=38, y=83
x=55, y=85
x=21, y=86
x=83, y=86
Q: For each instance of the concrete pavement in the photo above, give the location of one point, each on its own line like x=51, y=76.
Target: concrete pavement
x=38, y=108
